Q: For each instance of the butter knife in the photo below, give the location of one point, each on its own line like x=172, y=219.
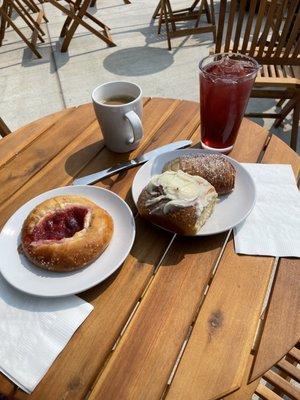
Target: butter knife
x=132, y=163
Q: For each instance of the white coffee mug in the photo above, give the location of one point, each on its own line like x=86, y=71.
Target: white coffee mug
x=120, y=123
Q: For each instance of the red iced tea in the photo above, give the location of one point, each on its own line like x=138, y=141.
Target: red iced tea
x=226, y=81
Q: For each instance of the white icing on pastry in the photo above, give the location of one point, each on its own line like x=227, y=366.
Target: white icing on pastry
x=179, y=189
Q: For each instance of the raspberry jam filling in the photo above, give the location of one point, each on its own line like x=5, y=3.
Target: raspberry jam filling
x=59, y=225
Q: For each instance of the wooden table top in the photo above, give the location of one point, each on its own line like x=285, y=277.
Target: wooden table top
x=183, y=317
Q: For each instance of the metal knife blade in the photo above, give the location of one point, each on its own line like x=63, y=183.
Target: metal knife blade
x=132, y=163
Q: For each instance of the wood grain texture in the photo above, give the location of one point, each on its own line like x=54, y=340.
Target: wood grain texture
x=246, y=390
x=281, y=318
x=291, y=370
x=6, y=386
x=115, y=299
x=57, y=172
x=223, y=334
x=279, y=152
x=144, y=359
x=12, y=144
x=282, y=385
x=79, y=366
x=266, y=394
x=20, y=169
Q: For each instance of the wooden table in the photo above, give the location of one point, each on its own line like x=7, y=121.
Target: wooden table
x=179, y=319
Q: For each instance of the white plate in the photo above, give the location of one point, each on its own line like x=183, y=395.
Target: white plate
x=23, y=275
x=231, y=209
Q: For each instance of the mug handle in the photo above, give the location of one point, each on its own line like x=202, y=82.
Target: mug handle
x=136, y=125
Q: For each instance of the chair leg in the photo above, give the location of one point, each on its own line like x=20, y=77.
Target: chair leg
x=167, y=25
x=22, y=36
x=3, y=21
x=93, y=3
x=4, y=130
x=280, y=103
x=295, y=125
x=284, y=112
x=158, y=8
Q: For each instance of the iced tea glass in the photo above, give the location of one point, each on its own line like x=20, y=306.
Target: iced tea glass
x=226, y=81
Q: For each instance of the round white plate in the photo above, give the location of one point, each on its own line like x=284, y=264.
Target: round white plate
x=231, y=209
x=23, y=275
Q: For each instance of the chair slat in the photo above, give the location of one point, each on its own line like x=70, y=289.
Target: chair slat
x=238, y=29
x=290, y=369
x=291, y=9
x=233, y=7
x=296, y=49
x=280, y=383
x=272, y=71
x=289, y=71
x=266, y=393
x=221, y=22
x=259, y=20
x=295, y=353
x=251, y=14
x=276, y=28
x=267, y=27
x=293, y=36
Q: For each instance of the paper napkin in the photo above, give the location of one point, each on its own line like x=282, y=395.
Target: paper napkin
x=33, y=331
x=273, y=227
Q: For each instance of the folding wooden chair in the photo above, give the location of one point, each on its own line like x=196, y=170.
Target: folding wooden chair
x=93, y=2
x=21, y=8
x=272, y=37
x=277, y=382
x=167, y=15
x=4, y=130
x=75, y=13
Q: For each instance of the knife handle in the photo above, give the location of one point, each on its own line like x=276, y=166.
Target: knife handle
x=86, y=180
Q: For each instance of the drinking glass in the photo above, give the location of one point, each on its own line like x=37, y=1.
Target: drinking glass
x=226, y=81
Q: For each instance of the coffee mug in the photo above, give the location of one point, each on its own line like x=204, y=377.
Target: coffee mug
x=118, y=107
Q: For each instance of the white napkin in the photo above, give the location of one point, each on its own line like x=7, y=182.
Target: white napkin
x=33, y=331
x=273, y=227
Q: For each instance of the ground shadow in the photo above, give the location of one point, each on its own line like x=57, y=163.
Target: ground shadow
x=138, y=61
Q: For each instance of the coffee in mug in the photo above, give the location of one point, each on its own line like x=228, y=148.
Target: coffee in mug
x=117, y=100
x=118, y=107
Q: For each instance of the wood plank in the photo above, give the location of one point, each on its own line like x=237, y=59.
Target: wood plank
x=61, y=169
x=246, y=391
x=143, y=361
x=290, y=369
x=283, y=385
x=114, y=301
x=266, y=393
x=276, y=152
x=281, y=318
x=20, y=169
x=295, y=353
x=58, y=172
x=12, y=144
x=223, y=334
x=279, y=152
x=120, y=293
x=6, y=386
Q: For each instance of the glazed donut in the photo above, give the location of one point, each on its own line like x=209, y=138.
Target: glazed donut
x=65, y=233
